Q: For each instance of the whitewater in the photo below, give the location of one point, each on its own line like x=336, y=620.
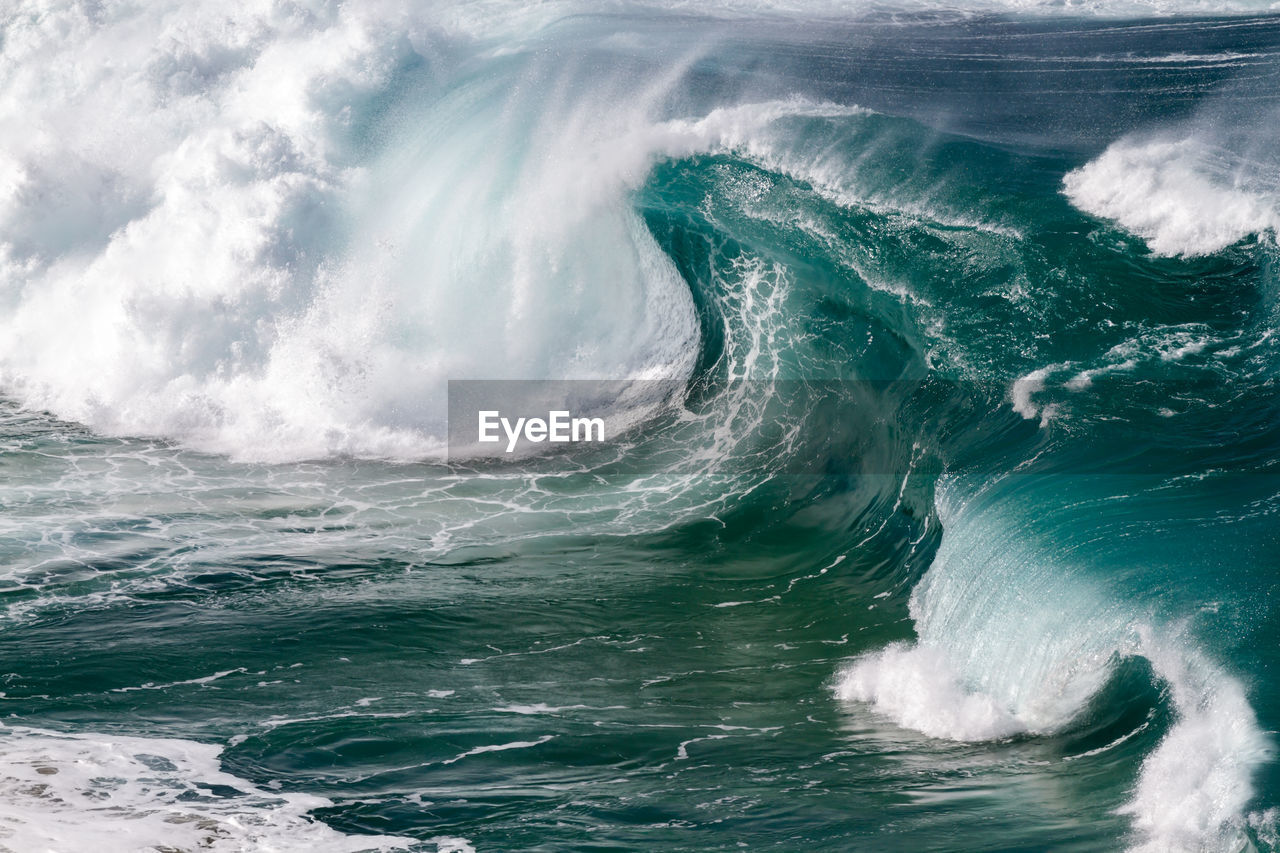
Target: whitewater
x=937, y=343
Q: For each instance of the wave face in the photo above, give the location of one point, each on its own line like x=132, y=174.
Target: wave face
x=960, y=527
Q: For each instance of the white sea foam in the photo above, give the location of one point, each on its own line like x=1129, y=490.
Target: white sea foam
x=115, y=794
x=1023, y=389
x=195, y=244
x=211, y=256
x=1196, y=785
x=1184, y=196
x=917, y=689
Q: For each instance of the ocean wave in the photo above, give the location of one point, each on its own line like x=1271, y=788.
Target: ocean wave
x=276, y=236
x=1015, y=638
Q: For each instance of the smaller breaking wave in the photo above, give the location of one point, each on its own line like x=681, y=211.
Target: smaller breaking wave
x=1015, y=638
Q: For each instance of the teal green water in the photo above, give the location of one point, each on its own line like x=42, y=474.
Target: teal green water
x=963, y=536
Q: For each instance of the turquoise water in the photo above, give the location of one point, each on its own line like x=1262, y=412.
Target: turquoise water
x=957, y=531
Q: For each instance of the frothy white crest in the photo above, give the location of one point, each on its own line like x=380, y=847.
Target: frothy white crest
x=916, y=688
x=1020, y=393
x=1183, y=196
x=1196, y=785
x=743, y=130
x=116, y=794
